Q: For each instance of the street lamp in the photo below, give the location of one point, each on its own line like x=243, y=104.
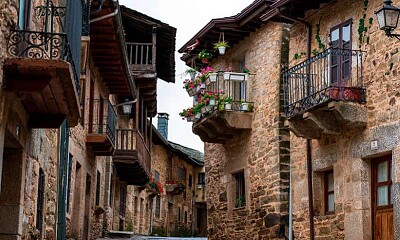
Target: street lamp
x=127, y=107
x=388, y=18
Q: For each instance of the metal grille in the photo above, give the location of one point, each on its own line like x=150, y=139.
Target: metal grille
x=314, y=81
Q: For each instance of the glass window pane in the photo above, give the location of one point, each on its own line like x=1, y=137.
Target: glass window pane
x=346, y=33
x=330, y=182
x=331, y=203
x=382, y=195
x=382, y=173
x=334, y=35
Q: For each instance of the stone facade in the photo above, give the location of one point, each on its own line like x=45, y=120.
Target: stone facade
x=350, y=155
x=260, y=153
x=30, y=156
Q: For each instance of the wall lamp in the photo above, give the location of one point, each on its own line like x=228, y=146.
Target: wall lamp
x=126, y=106
x=388, y=18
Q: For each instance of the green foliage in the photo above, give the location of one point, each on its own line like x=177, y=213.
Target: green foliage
x=181, y=231
x=387, y=73
x=129, y=225
x=159, y=231
x=299, y=55
x=204, y=54
x=315, y=52
x=239, y=202
x=362, y=26
x=221, y=44
x=321, y=45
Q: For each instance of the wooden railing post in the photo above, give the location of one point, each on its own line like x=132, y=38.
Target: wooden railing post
x=154, y=42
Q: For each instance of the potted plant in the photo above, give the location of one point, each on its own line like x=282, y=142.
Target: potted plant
x=204, y=56
x=237, y=76
x=245, y=106
x=240, y=201
x=190, y=86
x=228, y=103
x=197, y=111
x=221, y=46
x=191, y=72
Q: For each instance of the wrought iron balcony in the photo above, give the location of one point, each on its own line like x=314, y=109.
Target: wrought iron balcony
x=132, y=157
x=321, y=89
x=101, y=127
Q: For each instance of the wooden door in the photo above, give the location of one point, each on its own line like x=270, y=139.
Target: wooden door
x=382, y=205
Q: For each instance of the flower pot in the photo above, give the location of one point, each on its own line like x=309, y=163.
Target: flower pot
x=204, y=60
x=245, y=107
x=209, y=108
x=221, y=50
x=191, y=91
x=204, y=109
x=212, y=77
x=212, y=102
x=189, y=119
x=235, y=76
x=228, y=106
x=192, y=75
x=197, y=116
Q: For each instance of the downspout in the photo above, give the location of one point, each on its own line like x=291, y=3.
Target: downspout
x=104, y=16
x=308, y=147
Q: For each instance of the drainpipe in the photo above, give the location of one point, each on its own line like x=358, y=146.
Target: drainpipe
x=308, y=147
x=104, y=17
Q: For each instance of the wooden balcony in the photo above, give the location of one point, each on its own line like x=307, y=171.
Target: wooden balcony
x=132, y=157
x=101, y=128
x=41, y=72
x=325, y=94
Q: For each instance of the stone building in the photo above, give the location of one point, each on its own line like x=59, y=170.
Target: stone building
x=336, y=93
x=246, y=149
x=180, y=203
x=342, y=105
x=71, y=143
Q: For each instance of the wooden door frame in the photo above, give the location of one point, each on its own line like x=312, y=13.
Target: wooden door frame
x=374, y=164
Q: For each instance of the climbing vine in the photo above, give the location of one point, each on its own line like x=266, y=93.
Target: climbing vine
x=321, y=45
x=363, y=26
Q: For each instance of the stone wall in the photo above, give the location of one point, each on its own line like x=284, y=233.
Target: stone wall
x=349, y=154
x=258, y=152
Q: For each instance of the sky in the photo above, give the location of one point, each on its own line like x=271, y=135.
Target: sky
x=188, y=16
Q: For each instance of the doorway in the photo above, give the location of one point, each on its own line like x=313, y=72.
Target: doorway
x=382, y=206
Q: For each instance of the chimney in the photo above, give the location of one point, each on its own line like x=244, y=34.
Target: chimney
x=162, y=125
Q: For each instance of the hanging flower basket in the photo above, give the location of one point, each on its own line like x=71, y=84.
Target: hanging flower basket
x=191, y=91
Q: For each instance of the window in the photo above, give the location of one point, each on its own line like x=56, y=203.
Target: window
x=98, y=187
x=110, y=200
x=40, y=201
x=201, y=178
x=186, y=217
x=69, y=180
x=341, y=59
x=190, y=180
x=156, y=176
x=181, y=173
x=158, y=206
x=383, y=183
x=329, y=194
x=240, y=189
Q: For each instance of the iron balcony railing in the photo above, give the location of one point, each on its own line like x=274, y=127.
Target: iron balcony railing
x=332, y=75
x=42, y=45
x=130, y=140
x=103, y=119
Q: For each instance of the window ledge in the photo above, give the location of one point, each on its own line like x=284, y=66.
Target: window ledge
x=238, y=208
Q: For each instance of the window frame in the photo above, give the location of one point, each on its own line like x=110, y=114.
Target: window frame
x=158, y=207
x=327, y=192
x=201, y=178
x=239, y=187
x=388, y=183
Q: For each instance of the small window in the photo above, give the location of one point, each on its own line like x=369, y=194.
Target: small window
x=329, y=192
x=158, y=207
x=240, y=196
x=181, y=173
x=201, y=178
x=98, y=187
x=156, y=176
x=110, y=200
x=122, y=201
x=179, y=215
x=190, y=180
x=40, y=201
x=186, y=217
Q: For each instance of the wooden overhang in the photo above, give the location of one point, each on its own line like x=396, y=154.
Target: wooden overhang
x=140, y=28
x=47, y=90
x=235, y=29
x=294, y=9
x=108, y=48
